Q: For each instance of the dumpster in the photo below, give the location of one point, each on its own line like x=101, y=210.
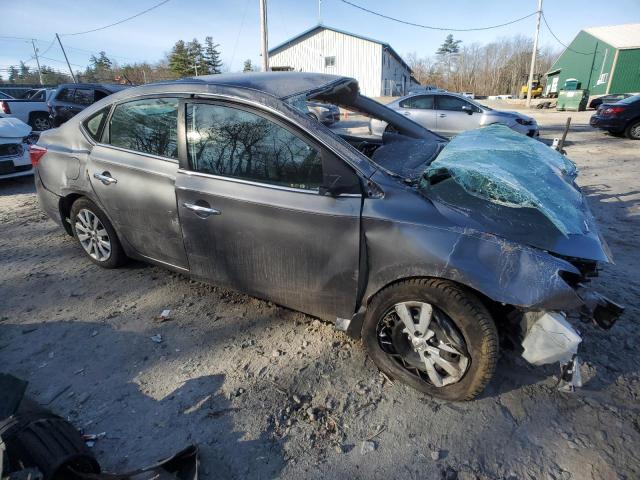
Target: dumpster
x=572, y=100
x=571, y=84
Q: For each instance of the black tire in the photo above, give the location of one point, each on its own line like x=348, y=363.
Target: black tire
x=116, y=256
x=40, y=122
x=471, y=319
x=633, y=130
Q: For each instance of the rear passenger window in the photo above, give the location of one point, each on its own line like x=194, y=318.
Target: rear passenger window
x=147, y=126
x=94, y=123
x=65, y=95
x=84, y=96
x=235, y=143
x=424, y=102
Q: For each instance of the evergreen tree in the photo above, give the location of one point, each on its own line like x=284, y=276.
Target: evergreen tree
x=212, y=56
x=99, y=69
x=179, y=60
x=24, y=71
x=449, y=46
x=248, y=67
x=13, y=74
x=196, y=57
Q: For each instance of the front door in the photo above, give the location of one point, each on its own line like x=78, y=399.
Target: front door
x=455, y=115
x=133, y=175
x=254, y=216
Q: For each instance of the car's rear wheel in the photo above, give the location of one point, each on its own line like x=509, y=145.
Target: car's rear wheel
x=95, y=234
x=40, y=122
x=633, y=130
x=434, y=336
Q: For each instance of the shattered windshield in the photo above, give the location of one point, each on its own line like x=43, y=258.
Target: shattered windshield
x=498, y=167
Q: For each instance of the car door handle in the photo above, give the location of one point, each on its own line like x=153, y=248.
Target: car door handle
x=442, y=115
x=105, y=178
x=200, y=210
x=407, y=113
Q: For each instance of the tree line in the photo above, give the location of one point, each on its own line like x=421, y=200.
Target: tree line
x=186, y=59
x=495, y=68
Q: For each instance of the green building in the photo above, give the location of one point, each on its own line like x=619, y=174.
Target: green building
x=602, y=59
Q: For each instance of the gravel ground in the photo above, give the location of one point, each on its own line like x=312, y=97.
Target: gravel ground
x=267, y=392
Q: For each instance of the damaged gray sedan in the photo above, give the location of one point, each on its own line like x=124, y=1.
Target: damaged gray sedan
x=424, y=248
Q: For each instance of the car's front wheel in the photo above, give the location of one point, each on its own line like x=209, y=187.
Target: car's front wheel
x=633, y=130
x=95, y=234
x=434, y=336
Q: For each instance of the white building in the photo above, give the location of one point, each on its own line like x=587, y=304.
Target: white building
x=380, y=71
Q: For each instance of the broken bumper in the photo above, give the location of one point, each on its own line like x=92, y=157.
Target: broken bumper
x=550, y=338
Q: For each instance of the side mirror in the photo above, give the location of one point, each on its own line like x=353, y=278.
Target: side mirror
x=468, y=109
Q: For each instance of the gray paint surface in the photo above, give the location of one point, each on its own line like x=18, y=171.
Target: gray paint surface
x=319, y=254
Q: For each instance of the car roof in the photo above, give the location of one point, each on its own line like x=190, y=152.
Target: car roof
x=113, y=87
x=277, y=84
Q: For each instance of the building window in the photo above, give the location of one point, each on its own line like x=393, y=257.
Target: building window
x=329, y=61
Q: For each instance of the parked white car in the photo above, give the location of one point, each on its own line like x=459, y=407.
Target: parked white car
x=33, y=111
x=14, y=148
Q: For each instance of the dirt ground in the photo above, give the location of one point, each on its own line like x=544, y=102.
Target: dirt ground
x=267, y=392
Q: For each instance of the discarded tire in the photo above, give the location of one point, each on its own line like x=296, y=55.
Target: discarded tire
x=35, y=437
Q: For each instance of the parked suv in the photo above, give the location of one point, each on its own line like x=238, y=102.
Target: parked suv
x=422, y=247
x=70, y=99
x=619, y=118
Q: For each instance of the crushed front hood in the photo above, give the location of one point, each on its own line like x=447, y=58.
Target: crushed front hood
x=499, y=181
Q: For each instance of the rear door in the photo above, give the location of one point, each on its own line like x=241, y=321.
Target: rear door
x=455, y=115
x=133, y=175
x=420, y=109
x=254, y=216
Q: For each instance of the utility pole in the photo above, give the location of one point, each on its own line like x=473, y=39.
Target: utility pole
x=533, y=54
x=264, y=34
x=65, y=57
x=35, y=52
x=195, y=66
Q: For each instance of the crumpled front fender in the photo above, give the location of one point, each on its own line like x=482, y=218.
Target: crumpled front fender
x=502, y=270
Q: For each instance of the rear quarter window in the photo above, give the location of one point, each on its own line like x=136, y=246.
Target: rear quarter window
x=95, y=124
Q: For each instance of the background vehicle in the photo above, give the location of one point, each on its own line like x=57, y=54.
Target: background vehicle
x=5, y=96
x=323, y=112
x=241, y=166
x=536, y=87
x=448, y=114
x=33, y=111
x=470, y=95
x=611, y=98
x=619, y=118
x=70, y=99
x=14, y=148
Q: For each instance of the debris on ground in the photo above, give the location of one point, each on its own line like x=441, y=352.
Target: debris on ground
x=156, y=338
x=367, y=447
x=164, y=316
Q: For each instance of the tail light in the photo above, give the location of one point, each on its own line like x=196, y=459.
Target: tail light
x=36, y=152
x=4, y=106
x=612, y=110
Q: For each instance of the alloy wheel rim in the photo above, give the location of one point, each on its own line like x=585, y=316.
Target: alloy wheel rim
x=425, y=342
x=41, y=124
x=635, y=131
x=92, y=235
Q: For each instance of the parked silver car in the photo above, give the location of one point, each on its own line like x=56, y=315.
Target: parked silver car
x=408, y=241
x=325, y=113
x=448, y=114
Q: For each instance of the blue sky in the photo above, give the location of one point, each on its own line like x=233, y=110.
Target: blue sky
x=234, y=25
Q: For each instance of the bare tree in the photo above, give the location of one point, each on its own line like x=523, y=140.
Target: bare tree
x=494, y=68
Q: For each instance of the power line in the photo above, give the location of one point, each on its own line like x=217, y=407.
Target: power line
x=428, y=27
x=559, y=41
x=119, y=21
